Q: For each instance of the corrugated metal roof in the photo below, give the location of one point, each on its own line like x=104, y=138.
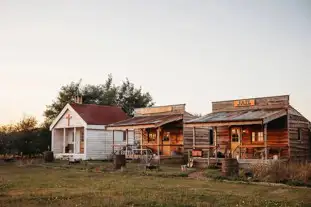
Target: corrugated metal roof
x=144, y=120
x=249, y=115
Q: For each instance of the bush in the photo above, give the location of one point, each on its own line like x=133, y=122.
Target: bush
x=280, y=172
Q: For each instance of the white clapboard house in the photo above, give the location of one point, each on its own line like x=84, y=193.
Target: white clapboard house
x=79, y=132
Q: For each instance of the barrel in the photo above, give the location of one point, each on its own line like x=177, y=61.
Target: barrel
x=229, y=167
x=119, y=161
x=48, y=156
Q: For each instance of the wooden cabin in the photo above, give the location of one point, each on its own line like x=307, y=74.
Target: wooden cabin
x=255, y=128
x=159, y=129
x=78, y=132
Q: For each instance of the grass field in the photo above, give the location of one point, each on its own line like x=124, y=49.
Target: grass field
x=80, y=186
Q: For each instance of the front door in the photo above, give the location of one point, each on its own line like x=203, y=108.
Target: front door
x=82, y=141
x=166, y=144
x=235, y=140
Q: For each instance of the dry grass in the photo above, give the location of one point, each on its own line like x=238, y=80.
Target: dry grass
x=283, y=172
x=75, y=186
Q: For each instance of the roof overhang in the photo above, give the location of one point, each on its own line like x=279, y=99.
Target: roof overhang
x=217, y=124
x=60, y=115
x=259, y=120
x=125, y=125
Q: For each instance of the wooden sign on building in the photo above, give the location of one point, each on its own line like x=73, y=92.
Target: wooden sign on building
x=245, y=102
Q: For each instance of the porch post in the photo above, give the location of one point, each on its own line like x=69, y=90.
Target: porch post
x=158, y=139
x=64, y=141
x=240, y=142
x=265, y=139
x=112, y=141
x=216, y=143
x=127, y=140
x=74, y=139
x=193, y=134
x=141, y=141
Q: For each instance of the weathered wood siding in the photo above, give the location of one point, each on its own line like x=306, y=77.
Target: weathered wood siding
x=75, y=120
x=299, y=149
x=201, y=134
x=99, y=143
x=277, y=138
x=160, y=110
x=260, y=103
x=223, y=139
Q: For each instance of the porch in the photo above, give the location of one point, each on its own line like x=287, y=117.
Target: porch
x=160, y=135
x=261, y=136
x=68, y=142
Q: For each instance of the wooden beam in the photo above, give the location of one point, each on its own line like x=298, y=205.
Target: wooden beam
x=141, y=140
x=215, y=143
x=158, y=142
x=240, y=142
x=216, y=124
x=193, y=134
x=265, y=140
x=120, y=128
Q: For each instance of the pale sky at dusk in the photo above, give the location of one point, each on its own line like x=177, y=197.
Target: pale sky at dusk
x=192, y=52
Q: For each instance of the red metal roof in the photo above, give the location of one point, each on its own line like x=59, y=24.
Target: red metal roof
x=99, y=114
x=146, y=120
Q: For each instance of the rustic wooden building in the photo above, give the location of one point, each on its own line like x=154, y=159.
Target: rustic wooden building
x=160, y=129
x=257, y=128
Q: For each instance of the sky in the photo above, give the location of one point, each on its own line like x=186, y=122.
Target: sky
x=192, y=52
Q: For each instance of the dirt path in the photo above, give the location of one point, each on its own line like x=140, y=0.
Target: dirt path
x=199, y=175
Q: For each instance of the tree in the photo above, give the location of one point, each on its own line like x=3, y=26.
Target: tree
x=130, y=97
x=197, y=115
x=126, y=96
x=66, y=95
x=28, y=123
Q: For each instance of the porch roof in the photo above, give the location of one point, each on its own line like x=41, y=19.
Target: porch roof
x=142, y=122
x=247, y=117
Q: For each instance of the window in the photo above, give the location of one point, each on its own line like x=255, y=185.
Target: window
x=211, y=137
x=260, y=136
x=151, y=136
x=124, y=136
x=299, y=134
x=257, y=137
x=73, y=137
x=253, y=136
x=166, y=137
x=235, y=135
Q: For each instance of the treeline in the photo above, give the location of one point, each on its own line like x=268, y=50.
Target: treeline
x=24, y=138
x=29, y=138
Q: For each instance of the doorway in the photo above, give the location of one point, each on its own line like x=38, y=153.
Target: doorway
x=235, y=140
x=166, y=148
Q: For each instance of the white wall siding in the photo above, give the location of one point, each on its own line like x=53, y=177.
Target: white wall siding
x=58, y=141
x=99, y=143
x=75, y=120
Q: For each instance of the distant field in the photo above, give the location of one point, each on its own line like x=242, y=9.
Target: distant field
x=79, y=186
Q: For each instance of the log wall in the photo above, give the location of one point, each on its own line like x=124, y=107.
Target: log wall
x=260, y=103
x=299, y=136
